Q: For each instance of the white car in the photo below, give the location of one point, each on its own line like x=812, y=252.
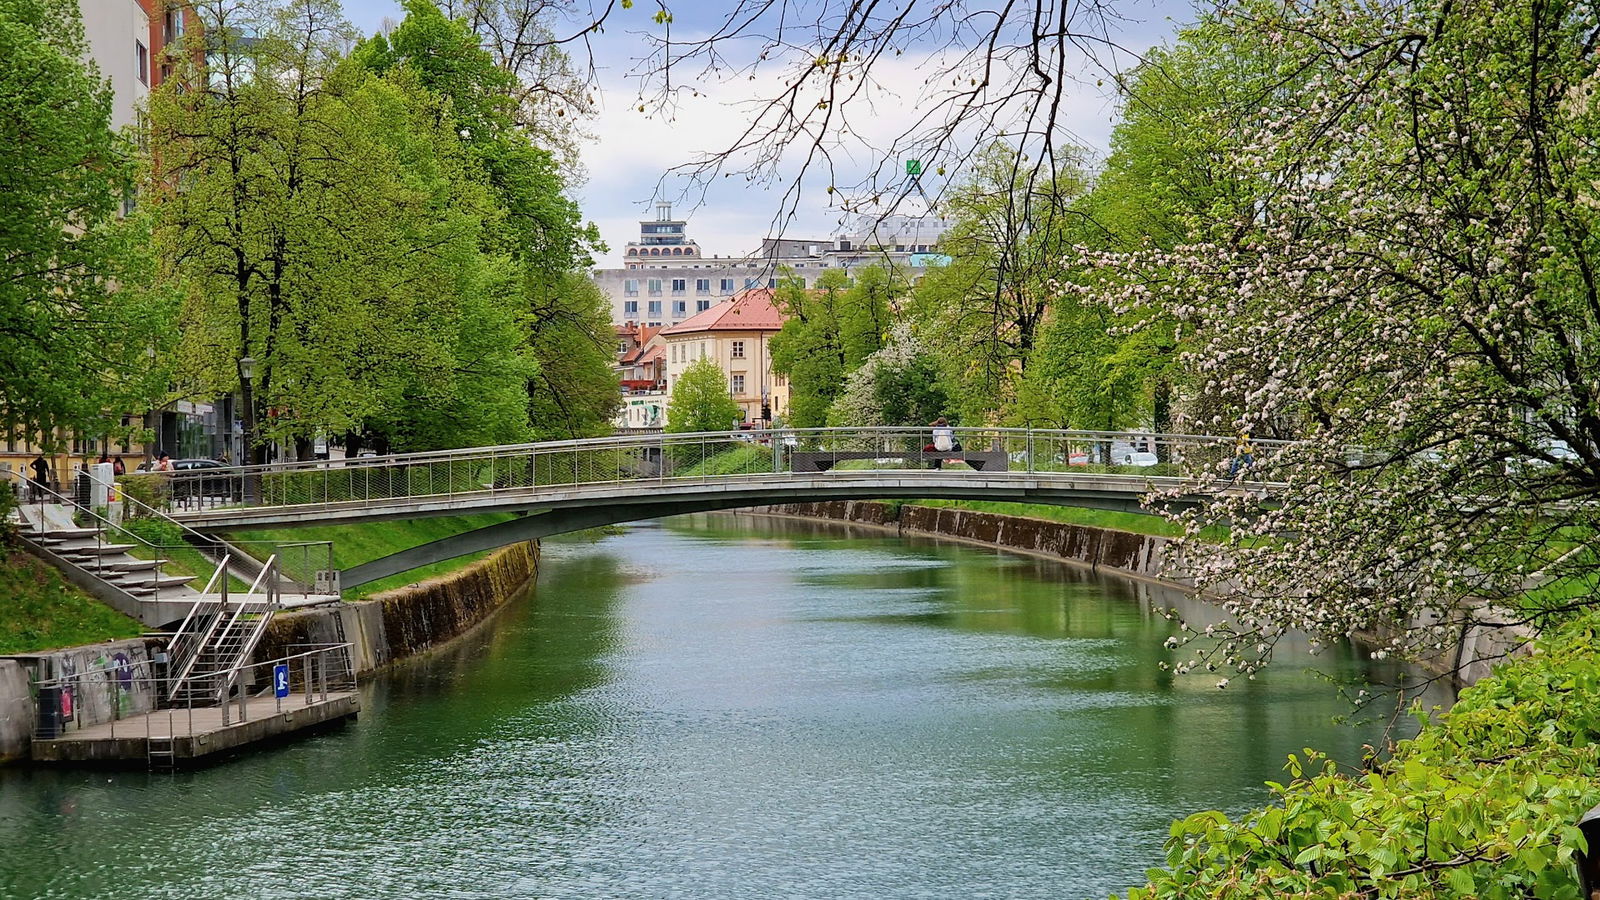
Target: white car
x=1139, y=458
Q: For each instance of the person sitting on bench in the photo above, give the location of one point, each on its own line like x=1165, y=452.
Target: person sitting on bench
x=944, y=440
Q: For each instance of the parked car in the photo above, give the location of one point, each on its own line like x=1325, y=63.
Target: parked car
x=189, y=480
x=1139, y=458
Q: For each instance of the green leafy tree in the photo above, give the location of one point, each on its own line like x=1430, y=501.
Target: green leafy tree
x=867, y=313
x=567, y=323
x=898, y=385
x=701, y=400
x=988, y=307
x=77, y=321
x=809, y=349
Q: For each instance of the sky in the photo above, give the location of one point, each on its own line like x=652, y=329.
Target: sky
x=631, y=151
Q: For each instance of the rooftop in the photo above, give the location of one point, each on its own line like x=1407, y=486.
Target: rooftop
x=749, y=310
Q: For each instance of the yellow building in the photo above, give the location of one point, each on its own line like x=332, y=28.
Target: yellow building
x=734, y=334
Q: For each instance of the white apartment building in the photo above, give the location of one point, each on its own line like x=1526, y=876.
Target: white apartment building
x=665, y=278
x=118, y=35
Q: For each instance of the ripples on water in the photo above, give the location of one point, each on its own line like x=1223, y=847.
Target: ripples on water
x=720, y=707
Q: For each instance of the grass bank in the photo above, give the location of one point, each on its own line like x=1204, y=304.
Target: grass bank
x=39, y=610
x=367, y=541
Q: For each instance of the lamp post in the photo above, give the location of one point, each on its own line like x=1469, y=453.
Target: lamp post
x=247, y=455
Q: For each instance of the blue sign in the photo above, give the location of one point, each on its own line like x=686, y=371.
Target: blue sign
x=280, y=680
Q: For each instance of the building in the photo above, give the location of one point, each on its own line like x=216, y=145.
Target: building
x=665, y=278
x=642, y=375
x=734, y=334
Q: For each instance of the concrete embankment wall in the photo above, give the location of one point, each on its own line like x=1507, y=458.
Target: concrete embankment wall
x=383, y=628
x=409, y=620
x=1118, y=552
x=1100, y=549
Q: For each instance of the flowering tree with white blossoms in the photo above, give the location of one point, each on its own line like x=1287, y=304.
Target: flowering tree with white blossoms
x=1413, y=294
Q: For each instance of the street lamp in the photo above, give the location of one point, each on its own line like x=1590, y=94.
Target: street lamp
x=247, y=372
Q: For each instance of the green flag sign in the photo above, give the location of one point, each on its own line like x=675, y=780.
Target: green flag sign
x=913, y=167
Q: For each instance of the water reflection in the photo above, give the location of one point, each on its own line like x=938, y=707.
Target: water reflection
x=715, y=707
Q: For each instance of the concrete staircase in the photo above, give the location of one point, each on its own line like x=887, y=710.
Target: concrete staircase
x=51, y=527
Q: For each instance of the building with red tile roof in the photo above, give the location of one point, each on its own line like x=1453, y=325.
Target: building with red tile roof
x=734, y=334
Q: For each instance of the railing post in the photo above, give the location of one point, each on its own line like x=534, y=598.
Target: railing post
x=1030, y=450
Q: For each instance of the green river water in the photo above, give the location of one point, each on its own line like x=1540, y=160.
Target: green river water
x=722, y=707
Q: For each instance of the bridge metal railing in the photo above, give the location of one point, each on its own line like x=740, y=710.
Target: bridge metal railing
x=712, y=456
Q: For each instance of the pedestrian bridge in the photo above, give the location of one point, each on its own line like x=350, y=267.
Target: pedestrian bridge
x=562, y=486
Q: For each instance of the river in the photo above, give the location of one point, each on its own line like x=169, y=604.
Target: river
x=715, y=707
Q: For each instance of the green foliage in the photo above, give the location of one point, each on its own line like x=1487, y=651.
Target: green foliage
x=357, y=544
x=701, y=400
x=1483, y=803
x=570, y=387
x=150, y=491
x=76, y=318
x=737, y=459
x=41, y=611
x=897, y=385
x=377, y=233
x=810, y=349
x=986, y=310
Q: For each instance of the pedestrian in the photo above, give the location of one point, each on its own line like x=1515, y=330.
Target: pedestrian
x=163, y=463
x=944, y=440
x=41, y=476
x=117, y=468
x=1244, y=455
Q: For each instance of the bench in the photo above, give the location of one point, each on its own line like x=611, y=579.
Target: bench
x=822, y=461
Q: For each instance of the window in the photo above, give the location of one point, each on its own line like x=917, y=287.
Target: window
x=702, y=349
x=727, y=285
x=751, y=282
x=702, y=305
x=655, y=325
x=655, y=307
x=630, y=307
x=702, y=285
x=679, y=307
x=678, y=286
x=772, y=282
x=655, y=289
x=630, y=287
x=142, y=60
x=738, y=350
x=899, y=248
x=173, y=21
x=738, y=384
x=622, y=347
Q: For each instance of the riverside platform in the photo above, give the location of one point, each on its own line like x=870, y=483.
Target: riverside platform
x=188, y=738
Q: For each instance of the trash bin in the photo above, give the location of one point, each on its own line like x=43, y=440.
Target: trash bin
x=50, y=723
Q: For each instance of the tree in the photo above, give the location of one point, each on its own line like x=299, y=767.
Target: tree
x=538, y=227
x=701, y=400
x=287, y=224
x=866, y=315
x=809, y=349
x=77, y=321
x=1409, y=291
x=989, y=305
x=897, y=385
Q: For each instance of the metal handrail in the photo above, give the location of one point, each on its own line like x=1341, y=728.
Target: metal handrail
x=563, y=465
x=467, y=453
x=187, y=674
x=104, y=524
